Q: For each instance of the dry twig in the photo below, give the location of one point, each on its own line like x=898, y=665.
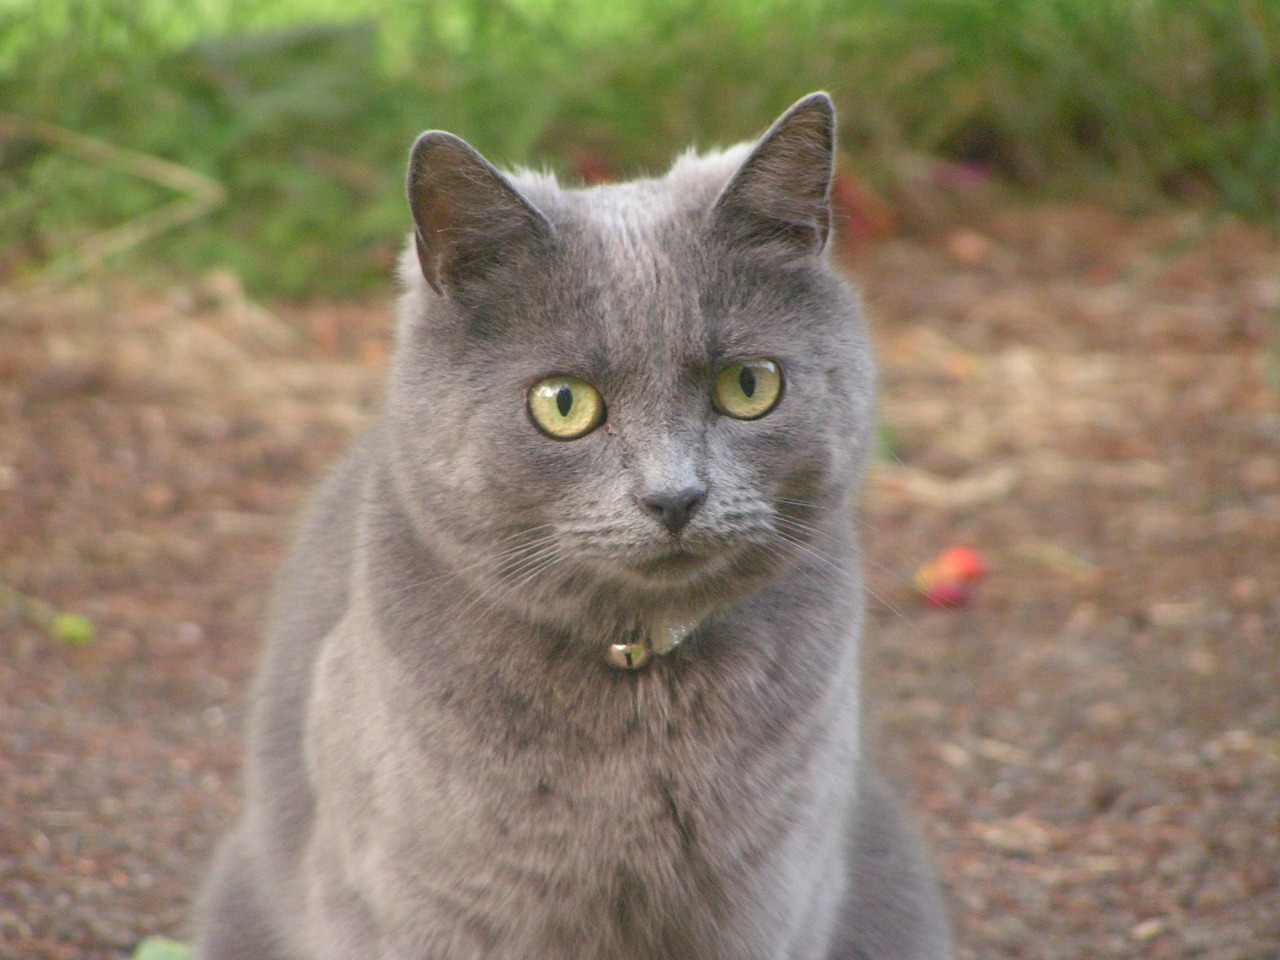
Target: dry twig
x=202, y=195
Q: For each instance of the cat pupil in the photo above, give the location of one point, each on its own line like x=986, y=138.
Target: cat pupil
x=564, y=400
x=747, y=381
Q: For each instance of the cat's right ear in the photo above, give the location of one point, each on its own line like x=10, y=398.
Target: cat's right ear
x=781, y=195
x=467, y=217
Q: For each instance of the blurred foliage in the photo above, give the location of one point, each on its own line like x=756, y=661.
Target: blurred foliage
x=304, y=109
x=160, y=948
x=73, y=629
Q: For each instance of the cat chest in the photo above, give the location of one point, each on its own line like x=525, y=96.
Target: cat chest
x=610, y=860
x=633, y=819
x=613, y=862
x=659, y=838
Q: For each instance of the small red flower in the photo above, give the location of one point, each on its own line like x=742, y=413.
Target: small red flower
x=948, y=580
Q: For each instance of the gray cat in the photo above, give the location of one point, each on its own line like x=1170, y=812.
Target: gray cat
x=564, y=665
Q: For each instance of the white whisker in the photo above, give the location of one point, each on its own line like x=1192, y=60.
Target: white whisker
x=817, y=555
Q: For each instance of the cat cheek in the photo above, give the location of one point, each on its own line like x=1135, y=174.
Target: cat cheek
x=562, y=470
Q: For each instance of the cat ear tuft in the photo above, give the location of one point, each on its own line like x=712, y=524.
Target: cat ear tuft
x=781, y=195
x=467, y=216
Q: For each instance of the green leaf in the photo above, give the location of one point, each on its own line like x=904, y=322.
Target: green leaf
x=161, y=948
x=77, y=631
x=887, y=443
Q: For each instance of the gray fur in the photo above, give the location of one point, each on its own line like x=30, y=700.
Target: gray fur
x=442, y=765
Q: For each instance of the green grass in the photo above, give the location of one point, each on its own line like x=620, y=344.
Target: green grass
x=304, y=110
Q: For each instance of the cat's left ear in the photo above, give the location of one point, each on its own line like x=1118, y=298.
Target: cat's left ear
x=781, y=195
x=468, y=218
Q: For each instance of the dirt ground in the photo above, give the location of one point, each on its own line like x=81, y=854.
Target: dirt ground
x=1093, y=745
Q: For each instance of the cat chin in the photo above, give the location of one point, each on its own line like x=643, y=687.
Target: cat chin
x=678, y=580
x=678, y=568
x=683, y=589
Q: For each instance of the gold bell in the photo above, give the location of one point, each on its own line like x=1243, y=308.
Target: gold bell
x=668, y=635
x=628, y=656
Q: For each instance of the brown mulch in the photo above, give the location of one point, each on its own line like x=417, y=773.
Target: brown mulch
x=1093, y=745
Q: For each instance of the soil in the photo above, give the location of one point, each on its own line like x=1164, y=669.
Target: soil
x=1092, y=744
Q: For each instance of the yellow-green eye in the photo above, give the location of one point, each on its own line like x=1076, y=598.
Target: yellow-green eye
x=748, y=390
x=565, y=407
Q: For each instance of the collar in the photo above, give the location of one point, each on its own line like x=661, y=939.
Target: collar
x=663, y=637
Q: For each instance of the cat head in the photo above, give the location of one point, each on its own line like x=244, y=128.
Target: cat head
x=629, y=398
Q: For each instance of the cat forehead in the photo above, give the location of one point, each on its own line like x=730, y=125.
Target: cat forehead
x=634, y=247
x=635, y=279
x=628, y=209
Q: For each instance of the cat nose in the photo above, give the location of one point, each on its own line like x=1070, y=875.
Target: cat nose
x=675, y=507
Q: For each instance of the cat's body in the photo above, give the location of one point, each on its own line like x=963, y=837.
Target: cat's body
x=444, y=763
